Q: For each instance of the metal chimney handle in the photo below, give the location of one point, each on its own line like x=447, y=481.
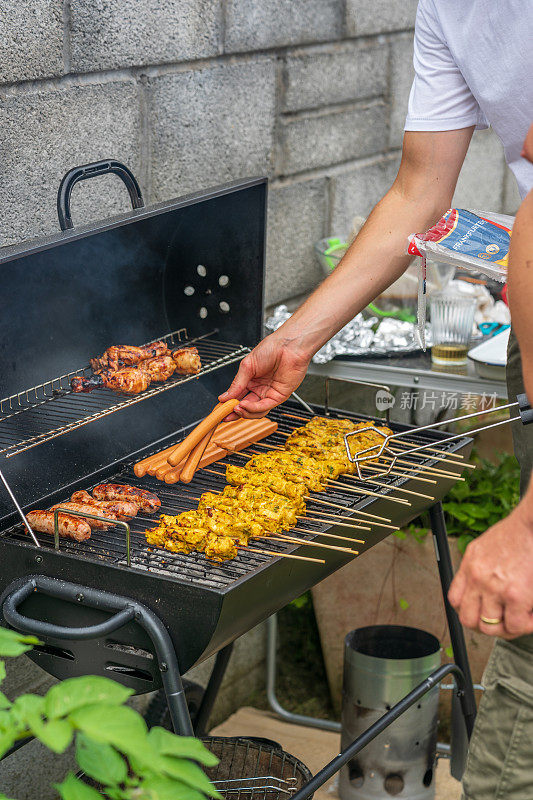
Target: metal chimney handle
x=86, y=171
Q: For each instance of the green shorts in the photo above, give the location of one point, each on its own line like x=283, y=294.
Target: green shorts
x=500, y=757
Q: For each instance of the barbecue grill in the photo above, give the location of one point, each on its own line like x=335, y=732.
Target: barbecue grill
x=189, y=271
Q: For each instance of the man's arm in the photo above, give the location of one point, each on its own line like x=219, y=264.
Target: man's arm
x=422, y=191
x=495, y=579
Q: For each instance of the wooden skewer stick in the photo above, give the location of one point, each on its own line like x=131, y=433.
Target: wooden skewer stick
x=372, y=468
x=282, y=555
x=338, y=517
x=435, y=457
x=344, y=508
x=440, y=473
x=311, y=544
x=405, y=443
x=329, y=535
x=335, y=517
x=378, y=483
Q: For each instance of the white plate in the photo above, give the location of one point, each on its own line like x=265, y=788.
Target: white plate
x=490, y=357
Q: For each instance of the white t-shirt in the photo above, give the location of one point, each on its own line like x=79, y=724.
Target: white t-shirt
x=473, y=64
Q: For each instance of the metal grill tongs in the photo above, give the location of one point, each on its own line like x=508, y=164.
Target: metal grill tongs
x=404, y=447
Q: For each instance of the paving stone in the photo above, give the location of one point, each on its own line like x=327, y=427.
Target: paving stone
x=62, y=129
x=340, y=74
x=259, y=24
x=364, y=17
x=111, y=33
x=356, y=192
x=481, y=180
x=31, y=39
x=210, y=126
x=402, y=73
x=296, y=220
x=324, y=138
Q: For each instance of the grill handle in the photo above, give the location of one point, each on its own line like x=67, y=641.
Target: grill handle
x=86, y=171
x=124, y=609
x=40, y=628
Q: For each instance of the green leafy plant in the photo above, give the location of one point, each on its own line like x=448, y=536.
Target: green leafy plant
x=113, y=745
x=487, y=495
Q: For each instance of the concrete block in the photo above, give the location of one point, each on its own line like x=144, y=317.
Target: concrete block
x=365, y=17
x=402, y=73
x=511, y=195
x=342, y=73
x=110, y=33
x=31, y=39
x=46, y=133
x=296, y=220
x=331, y=137
x=29, y=774
x=210, y=126
x=481, y=180
x=260, y=24
x=25, y=676
x=356, y=192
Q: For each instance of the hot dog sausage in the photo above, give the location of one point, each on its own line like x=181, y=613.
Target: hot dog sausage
x=211, y=421
x=195, y=456
x=69, y=527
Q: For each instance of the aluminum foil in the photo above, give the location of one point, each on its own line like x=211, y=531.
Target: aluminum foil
x=362, y=336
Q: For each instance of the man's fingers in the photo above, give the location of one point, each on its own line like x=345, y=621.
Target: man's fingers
x=518, y=620
x=239, y=385
x=470, y=609
x=253, y=408
x=491, y=609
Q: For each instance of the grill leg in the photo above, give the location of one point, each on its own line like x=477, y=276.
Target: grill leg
x=444, y=563
x=211, y=690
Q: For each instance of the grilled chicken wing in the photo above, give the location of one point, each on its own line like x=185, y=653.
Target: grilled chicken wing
x=123, y=509
x=69, y=527
x=187, y=361
x=130, y=380
x=146, y=500
x=126, y=355
x=87, y=508
x=159, y=369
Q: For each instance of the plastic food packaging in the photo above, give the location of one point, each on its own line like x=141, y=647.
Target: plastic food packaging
x=475, y=241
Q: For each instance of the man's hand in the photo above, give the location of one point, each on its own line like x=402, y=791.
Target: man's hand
x=495, y=579
x=266, y=377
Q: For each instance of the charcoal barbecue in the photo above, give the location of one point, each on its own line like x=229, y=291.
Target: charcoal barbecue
x=188, y=271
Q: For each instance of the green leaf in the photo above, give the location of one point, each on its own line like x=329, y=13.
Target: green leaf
x=189, y=773
x=400, y=534
x=168, y=744
x=74, y=789
x=75, y=693
x=100, y=761
x=117, y=725
x=4, y=797
x=56, y=734
x=7, y=740
x=4, y=702
x=463, y=541
x=449, y=651
x=14, y=644
x=27, y=710
x=2, y=671
x=404, y=605
x=160, y=788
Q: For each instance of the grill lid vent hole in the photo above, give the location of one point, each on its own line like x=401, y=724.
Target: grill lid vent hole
x=189, y=291
x=201, y=270
x=224, y=307
x=223, y=280
x=203, y=312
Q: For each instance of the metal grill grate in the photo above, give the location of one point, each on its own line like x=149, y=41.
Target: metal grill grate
x=51, y=409
x=109, y=546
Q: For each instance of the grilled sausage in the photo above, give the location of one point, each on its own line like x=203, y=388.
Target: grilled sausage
x=123, y=509
x=146, y=500
x=86, y=508
x=69, y=527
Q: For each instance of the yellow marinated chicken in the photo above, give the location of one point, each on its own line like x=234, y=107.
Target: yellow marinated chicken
x=255, y=476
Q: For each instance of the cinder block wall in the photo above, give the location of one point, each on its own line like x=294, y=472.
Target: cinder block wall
x=190, y=93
